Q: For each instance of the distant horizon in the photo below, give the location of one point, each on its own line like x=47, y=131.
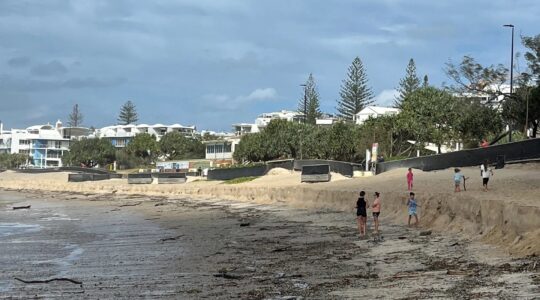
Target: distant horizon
x=212, y=64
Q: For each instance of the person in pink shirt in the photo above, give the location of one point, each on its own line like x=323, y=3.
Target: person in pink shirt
x=410, y=180
x=376, y=208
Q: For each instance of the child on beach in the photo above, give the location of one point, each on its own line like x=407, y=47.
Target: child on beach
x=361, y=214
x=412, y=204
x=457, y=180
x=486, y=172
x=410, y=180
x=376, y=208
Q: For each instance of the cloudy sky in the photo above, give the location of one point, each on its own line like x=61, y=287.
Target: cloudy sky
x=211, y=63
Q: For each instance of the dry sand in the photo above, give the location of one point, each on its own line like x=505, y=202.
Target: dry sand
x=507, y=216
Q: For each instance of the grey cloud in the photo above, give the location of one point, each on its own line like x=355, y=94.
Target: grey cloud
x=19, y=61
x=91, y=82
x=51, y=68
x=8, y=83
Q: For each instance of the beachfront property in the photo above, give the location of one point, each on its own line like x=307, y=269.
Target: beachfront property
x=44, y=144
x=374, y=112
x=221, y=151
x=121, y=135
x=264, y=119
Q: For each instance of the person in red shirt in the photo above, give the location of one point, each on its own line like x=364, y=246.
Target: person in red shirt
x=410, y=180
x=484, y=143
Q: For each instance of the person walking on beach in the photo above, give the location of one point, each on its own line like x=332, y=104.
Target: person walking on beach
x=376, y=208
x=410, y=176
x=486, y=172
x=457, y=180
x=361, y=213
x=412, y=204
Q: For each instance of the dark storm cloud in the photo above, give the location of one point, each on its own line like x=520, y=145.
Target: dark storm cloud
x=51, y=68
x=26, y=85
x=198, y=61
x=19, y=61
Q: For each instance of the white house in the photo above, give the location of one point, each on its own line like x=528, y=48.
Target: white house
x=121, y=135
x=44, y=144
x=374, y=112
x=221, y=151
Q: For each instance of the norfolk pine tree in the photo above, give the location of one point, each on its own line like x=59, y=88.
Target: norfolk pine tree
x=128, y=114
x=355, y=93
x=311, y=101
x=75, y=117
x=408, y=84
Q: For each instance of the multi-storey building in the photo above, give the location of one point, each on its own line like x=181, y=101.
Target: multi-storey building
x=121, y=135
x=44, y=144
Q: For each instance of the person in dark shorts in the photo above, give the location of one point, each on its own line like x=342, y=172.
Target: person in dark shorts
x=376, y=208
x=361, y=213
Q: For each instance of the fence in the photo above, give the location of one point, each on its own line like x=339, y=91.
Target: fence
x=231, y=173
x=80, y=177
x=517, y=151
x=315, y=173
x=140, y=178
x=341, y=167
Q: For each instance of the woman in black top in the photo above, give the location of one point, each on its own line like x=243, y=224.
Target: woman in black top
x=361, y=214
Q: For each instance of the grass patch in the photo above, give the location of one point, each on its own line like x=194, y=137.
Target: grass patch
x=240, y=180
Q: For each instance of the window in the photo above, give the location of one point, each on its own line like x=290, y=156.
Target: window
x=24, y=142
x=210, y=149
x=227, y=148
x=219, y=148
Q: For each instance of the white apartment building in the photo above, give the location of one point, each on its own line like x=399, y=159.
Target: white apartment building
x=374, y=112
x=44, y=144
x=121, y=135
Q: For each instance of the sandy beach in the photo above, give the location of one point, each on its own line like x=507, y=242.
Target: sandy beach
x=134, y=246
x=507, y=216
x=271, y=238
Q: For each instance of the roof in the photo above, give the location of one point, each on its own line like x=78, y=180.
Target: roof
x=380, y=110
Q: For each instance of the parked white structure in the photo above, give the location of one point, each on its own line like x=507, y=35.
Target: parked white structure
x=374, y=112
x=44, y=144
x=121, y=135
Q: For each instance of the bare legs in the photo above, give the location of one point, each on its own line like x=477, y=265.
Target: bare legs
x=362, y=224
x=376, y=222
x=415, y=219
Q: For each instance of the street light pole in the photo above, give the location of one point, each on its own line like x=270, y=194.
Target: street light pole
x=305, y=102
x=511, y=72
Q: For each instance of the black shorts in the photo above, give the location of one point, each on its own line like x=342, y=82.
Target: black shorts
x=361, y=213
x=376, y=214
x=485, y=180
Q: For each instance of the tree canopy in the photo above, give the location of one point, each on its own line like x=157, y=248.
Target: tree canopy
x=75, y=118
x=309, y=103
x=174, y=145
x=407, y=84
x=128, y=114
x=144, y=146
x=355, y=93
x=90, y=152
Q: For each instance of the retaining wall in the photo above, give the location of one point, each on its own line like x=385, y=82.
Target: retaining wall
x=232, y=173
x=523, y=150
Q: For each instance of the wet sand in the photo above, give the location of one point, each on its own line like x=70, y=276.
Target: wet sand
x=133, y=246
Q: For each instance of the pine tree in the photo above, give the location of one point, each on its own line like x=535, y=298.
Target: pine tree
x=75, y=117
x=309, y=103
x=355, y=93
x=128, y=114
x=408, y=84
x=425, y=84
